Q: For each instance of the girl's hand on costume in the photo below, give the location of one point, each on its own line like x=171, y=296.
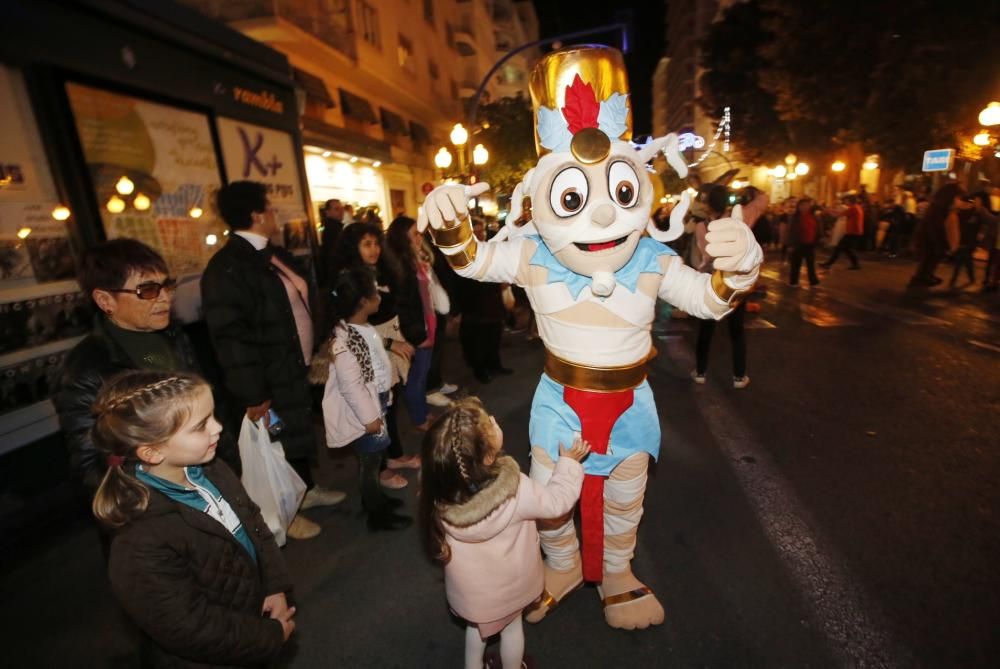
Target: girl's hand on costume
x=287, y=624
x=275, y=605
x=374, y=427
x=402, y=349
x=578, y=451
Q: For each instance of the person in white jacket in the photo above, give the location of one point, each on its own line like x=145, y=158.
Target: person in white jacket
x=357, y=391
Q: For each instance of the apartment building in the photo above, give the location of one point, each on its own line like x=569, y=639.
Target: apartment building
x=381, y=82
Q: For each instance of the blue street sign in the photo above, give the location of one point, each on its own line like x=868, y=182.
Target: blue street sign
x=938, y=160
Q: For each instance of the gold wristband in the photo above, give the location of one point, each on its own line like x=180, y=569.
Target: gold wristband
x=454, y=235
x=465, y=257
x=723, y=290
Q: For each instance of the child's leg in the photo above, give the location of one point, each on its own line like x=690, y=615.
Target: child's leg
x=475, y=647
x=512, y=644
x=371, y=494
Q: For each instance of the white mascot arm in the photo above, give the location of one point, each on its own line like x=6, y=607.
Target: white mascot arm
x=445, y=213
x=737, y=264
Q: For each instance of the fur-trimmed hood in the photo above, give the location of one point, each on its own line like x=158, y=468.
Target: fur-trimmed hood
x=490, y=510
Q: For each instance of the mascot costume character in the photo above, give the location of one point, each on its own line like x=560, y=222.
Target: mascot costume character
x=593, y=278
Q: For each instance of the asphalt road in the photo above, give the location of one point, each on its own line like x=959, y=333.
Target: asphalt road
x=841, y=511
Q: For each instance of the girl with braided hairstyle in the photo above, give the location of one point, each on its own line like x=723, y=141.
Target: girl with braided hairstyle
x=192, y=561
x=478, y=513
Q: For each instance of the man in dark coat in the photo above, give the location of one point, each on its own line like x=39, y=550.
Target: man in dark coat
x=259, y=306
x=332, y=219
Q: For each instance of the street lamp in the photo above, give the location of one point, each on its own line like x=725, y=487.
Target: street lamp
x=442, y=158
x=802, y=169
x=838, y=166
x=459, y=135
x=982, y=139
x=791, y=159
x=780, y=171
x=480, y=155
x=990, y=115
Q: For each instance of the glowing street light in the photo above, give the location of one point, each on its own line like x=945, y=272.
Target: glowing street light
x=443, y=158
x=802, y=169
x=791, y=176
x=124, y=186
x=791, y=159
x=459, y=135
x=480, y=155
x=115, y=205
x=141, y=202
x=838, y=166
x=780, y=171
x=982, y=139
x=990, y=115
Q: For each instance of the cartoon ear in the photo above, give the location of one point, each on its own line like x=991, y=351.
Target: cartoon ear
x=671, y=151
x=726, y=177
x=676, y=228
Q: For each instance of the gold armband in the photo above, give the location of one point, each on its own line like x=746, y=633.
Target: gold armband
x=454, y=235
x=724, y=291
x=463, y=258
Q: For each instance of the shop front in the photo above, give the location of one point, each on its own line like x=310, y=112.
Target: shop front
x=121, y=120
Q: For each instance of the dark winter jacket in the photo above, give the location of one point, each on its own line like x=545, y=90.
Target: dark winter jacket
x=93, y=361
x=479, y=301
x=410, y=308
x=192, y=588
x=255, y=339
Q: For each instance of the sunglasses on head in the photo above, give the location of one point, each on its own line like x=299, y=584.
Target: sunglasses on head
x=148, y=290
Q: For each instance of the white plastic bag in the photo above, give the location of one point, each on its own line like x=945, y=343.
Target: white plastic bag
x=268, y=478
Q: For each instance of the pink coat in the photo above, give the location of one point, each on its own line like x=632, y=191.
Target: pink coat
x=496, y=564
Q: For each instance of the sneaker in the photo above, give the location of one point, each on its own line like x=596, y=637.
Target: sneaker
x=391, y=480
x=741, y=382
x=438, y=399
x=696, y=377
x=317, y=496
x=302, y=528
x=447, y=388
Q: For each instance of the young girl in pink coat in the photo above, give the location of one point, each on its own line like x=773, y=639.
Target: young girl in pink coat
x=479, y=514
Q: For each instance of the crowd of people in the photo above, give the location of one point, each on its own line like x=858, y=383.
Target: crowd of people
x=152, y=420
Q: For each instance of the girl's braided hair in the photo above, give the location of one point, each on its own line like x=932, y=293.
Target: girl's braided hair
x=454, y=467
x=133, y=409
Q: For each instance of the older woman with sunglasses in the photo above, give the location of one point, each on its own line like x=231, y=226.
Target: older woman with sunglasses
x=129, y=285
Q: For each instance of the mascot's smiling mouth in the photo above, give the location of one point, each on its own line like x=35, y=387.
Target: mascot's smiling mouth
x=591, y=247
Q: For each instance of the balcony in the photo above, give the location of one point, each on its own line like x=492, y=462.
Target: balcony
x=326, y=20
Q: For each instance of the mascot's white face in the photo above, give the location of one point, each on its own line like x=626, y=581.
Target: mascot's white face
x=591, y=216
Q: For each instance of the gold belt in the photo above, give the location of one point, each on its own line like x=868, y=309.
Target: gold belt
x=596, y=379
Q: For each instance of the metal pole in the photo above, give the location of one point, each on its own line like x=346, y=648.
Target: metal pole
x=473, y=111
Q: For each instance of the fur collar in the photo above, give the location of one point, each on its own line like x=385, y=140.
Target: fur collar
x=487, y=500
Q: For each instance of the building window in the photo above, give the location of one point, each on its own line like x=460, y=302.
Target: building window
x=405, y=53
x=433, y=71
x=429, y=11
x=368, y=24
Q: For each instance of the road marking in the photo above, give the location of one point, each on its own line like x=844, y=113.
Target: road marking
x=982, y=344
x=857, y=631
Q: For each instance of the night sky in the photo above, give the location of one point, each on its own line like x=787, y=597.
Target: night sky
x=647, y=39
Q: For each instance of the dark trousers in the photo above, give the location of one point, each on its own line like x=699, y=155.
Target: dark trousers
x=963, y=258
x=800, y=252
x=395, y=449
x=481, y=345
x=435, y=378
x=706, y=330
x=847, y=244
x=372, y=498
x=303, y=469
x=926, y=267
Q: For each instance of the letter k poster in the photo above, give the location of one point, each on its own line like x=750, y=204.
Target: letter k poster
x=255, y=153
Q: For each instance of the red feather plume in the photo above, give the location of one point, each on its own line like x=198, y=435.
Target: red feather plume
x=581, y=107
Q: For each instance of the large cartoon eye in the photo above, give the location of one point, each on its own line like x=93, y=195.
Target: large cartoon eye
x=569, y=191
x=623, y=183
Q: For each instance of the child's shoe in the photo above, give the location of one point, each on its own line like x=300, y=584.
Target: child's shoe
x=740, y=382
x=302, y=528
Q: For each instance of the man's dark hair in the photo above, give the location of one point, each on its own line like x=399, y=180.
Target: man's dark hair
x=718, y=199
x=238, y=200
x=110, y=264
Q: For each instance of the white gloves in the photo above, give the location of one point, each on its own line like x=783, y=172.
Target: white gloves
x=735, y=250
x=450, y=203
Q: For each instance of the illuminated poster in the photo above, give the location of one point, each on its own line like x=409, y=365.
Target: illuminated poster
x=255, y=153
x=154, y=171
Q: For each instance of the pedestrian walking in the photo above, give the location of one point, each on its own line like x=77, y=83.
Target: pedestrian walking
x=192, y=563
x=854, y=234
x=358, y=390
x=478, y=513
x=937, y=232
x=259, y=309
x=803, y=231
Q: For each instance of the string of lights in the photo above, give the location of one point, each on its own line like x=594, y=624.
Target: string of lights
x=723, y=130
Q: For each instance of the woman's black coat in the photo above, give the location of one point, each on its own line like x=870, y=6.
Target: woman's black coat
x=253, y=332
